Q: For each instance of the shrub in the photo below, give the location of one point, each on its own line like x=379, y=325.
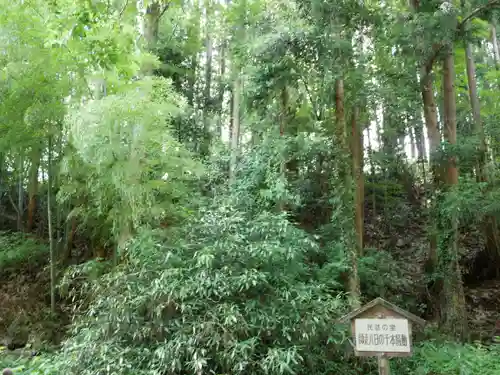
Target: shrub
x=18, y=249
x=229, y=293
x=451, y=358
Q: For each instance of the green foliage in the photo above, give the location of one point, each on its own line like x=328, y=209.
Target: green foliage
x=20, y=251
x=250, y=275
x=260, y=183
x=229, y=293
x=380, y=274
x=23, y=365
x=449, y=358
x=130, y=169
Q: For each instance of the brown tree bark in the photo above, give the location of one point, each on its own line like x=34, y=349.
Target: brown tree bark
x=222, y=86
x=490, y=226
x=235, y=131
x=353, y=283
x=432, y=126
x=494, y=41
x=205, y=146
x=420, y=139
x=154, y=12
x=455, y=314
x=359, y=179
x=20, y=192
x=431, y=123
x=33, y=186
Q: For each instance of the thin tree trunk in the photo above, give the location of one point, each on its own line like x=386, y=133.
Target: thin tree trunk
x=235, y=133
x=192, y=80
x=490, y=227
x=476, y=109
x=152, y=22
x=413, y=146
x=494, y=41
x=20, y=193
x=359, y=179
x=51, y=237
x=283, y=124
x=372, y=170
x=339, y=110
x=2, y=187
x=222, y=87
x=455, y=318
x=431, y=123
x=420, y=138
x=33, y=186
x=231, y=110
x=341, y=139
x=420, y=143
x=71, y=226
x=207, y=100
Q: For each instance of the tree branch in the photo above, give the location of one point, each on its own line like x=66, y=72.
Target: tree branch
x=477, y=11
x=165, y=8
x=123, y=9
x=439, y=47
x=13, y=204
x=313, y=102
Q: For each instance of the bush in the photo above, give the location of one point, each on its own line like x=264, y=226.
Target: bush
x=17, y=249
x=451, y=358
x=229, y=293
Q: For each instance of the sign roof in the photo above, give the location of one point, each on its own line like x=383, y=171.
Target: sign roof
x=381, y=302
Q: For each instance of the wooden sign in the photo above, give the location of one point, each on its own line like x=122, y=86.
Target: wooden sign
x=382, y=329
x=382, y=335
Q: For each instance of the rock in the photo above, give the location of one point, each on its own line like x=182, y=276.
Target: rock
x=7, y=371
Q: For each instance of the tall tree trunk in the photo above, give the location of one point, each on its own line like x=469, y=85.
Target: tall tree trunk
x=283, y=125
x=345, y=174
x=152, y=22
x=490, y=227
x=476, y=110
x=235, y=133
x=192, y=80
x=236, y=92
x=2, y=187
x=420, y=138
x=359, y=178
x=205, y=147
x=431, y=123
x=372, y=170
x=494, y=41
x=20, y=192
x=455, y=317
x=413, y=145
x=51, y=236
x=222, y=87
x=71, y=227
x=432, y=126
x=420, y=143
x=33, y=186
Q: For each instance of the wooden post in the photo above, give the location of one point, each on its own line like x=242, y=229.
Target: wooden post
x=383, y=361
x=383, y=365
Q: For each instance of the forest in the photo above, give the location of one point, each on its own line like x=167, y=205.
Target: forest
x=207, y=186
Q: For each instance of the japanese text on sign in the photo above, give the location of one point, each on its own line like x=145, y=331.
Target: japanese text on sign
x=382, y=335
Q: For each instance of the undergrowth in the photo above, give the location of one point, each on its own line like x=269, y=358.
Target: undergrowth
x=19, y=250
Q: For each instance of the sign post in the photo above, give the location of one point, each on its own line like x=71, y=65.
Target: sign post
x=382, y=329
